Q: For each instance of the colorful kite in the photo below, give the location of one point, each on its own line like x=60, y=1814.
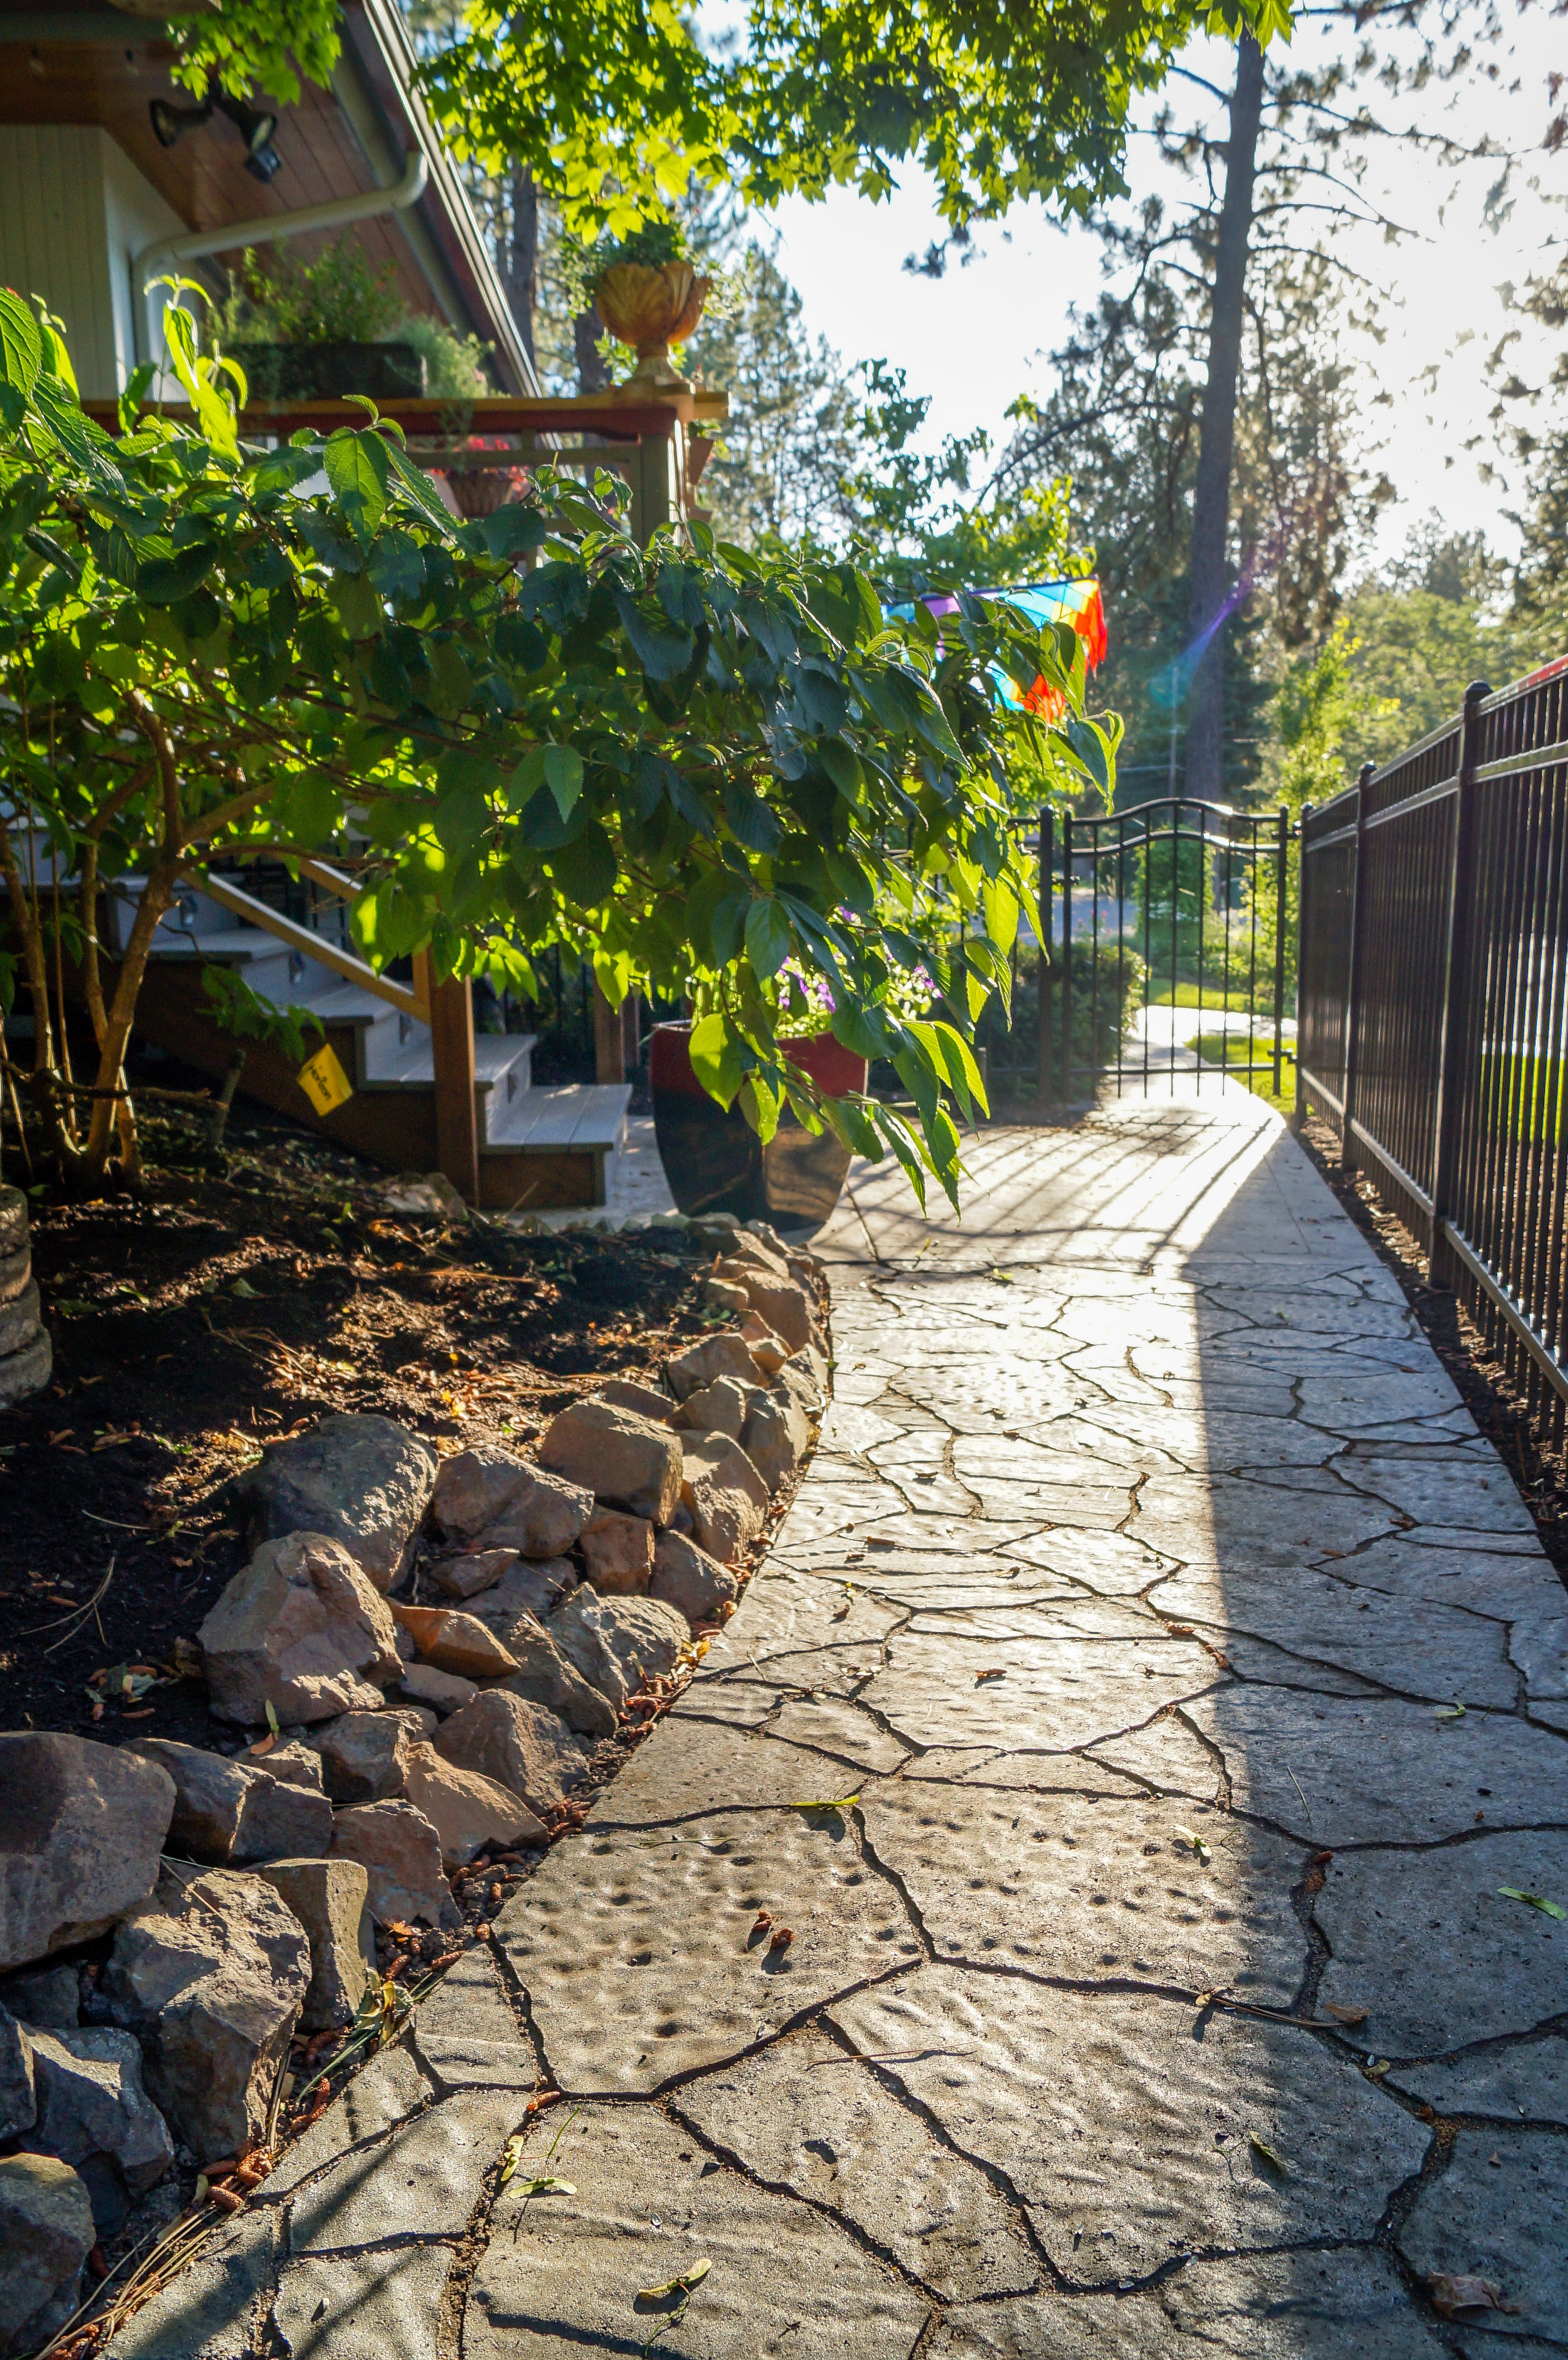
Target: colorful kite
x=1078, y=602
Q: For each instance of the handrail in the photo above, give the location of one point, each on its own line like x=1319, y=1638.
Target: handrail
x=299, y=938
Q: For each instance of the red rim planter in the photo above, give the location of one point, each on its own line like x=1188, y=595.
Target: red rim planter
x=715, y=1161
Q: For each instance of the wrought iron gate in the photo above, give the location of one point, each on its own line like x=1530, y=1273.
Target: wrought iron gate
x=1159, y=950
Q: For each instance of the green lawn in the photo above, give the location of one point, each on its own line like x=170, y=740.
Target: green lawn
x=1186, y=995
x=1231, y=1049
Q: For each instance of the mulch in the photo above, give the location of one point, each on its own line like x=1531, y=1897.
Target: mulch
x=236, y=1301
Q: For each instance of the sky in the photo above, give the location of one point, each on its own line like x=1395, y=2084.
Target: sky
x=979, y=336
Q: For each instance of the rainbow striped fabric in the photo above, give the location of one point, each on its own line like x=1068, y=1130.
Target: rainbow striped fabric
x=1078, y=602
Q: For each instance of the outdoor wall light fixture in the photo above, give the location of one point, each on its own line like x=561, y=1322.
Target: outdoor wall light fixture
x=170, y=123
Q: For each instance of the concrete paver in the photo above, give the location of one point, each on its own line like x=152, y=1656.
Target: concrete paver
x=1188, y=1680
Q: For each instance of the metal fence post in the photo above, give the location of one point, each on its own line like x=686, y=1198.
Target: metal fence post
x=1281, y=878
x=1353, y=981
x=1303, y=915
x=1067, y=958
x=1042, y=931
x=1456, y=961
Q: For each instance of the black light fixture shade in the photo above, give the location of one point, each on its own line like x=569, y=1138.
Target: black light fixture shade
x=255, y=127
x=263, y=163
x=170, y=123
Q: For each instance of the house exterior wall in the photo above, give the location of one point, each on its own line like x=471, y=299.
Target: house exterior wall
x=74, y=213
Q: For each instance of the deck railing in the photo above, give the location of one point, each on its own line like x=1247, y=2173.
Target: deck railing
x=1433, y=1006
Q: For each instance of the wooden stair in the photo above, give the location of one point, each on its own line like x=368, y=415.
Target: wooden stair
x=538, y=1148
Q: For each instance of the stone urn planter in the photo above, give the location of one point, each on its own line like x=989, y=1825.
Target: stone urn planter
x=27, y=1356
x=651, y=306
x=715, y=1161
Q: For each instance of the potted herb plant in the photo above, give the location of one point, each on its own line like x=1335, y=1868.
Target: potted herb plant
x=334, y=326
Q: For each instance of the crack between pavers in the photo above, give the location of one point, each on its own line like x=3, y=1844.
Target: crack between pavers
x=673, y=2084
x=731, y=2160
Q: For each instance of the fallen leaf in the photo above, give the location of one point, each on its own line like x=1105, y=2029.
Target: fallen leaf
x=1377, y=2067
x=1187, y=1836
x=682, y=2285
x=995, y=1674
x=1450, y=1712
x=1534, y=1900
x=547, y=2188
x=1261, y=2146
x=838, y=1803
x=243, y=1287
x=1346, y=2015
x=272, y=1716
x=782, y=1936
x=1451, y=2292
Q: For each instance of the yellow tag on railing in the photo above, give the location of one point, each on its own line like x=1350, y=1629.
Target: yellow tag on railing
x=324, y=1082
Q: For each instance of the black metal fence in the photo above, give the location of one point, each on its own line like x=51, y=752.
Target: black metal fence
x=1166, y=955
x=1433, y=1006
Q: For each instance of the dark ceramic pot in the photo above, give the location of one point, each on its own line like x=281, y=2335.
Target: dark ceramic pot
x=326, y=372
x=715, y=1161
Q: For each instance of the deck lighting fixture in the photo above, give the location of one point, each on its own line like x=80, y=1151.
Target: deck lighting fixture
x=255, y=127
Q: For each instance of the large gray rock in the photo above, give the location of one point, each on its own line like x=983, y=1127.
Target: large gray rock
x=628, y=1460
x=625, y=1639
x=80, y=1829
x=545, y=1676
x=577, y=1630
x=470, y=1813
x=489, y=1496
x=777, y=1435
x=18, y=2097
x=400, y=1853
x=442, y=1692
x=211, y=1973
x=725, y=1355
x=361, y=1480
x=804, y=1377
x=531, y=1587
x=300, y=1629
x=365, y=1756
x=459, y=1643
x=718, y=1408
x=480, y=1569
x=724, y=1495
x=50, y=1997
x=297, y=1764
x=46, y=2235
x=617, y=1551
x=95, y=2115
x=688, y=1578
x=623, y=1393
x=521, y=1745
x=228, y=1812
x=330, y=1900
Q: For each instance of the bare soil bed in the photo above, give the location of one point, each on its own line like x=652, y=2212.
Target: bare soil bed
x=237, y=1301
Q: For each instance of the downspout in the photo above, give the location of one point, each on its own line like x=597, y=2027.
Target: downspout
x=336, y=214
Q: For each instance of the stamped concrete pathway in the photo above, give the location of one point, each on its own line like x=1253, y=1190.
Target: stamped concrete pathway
x=1096, y=1731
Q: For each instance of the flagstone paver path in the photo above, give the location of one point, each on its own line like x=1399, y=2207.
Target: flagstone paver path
x=1178, y=1684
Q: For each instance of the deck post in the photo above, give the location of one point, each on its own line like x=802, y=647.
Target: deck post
x=452, y=1050
x=609, y=1039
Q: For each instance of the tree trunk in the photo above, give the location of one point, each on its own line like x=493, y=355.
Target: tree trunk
x=1208, y=573
x=520, y=277
x=593, y=372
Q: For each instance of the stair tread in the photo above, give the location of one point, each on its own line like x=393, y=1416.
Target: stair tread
x=494, y=1055
x=234, y=942
x=584, y=1115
